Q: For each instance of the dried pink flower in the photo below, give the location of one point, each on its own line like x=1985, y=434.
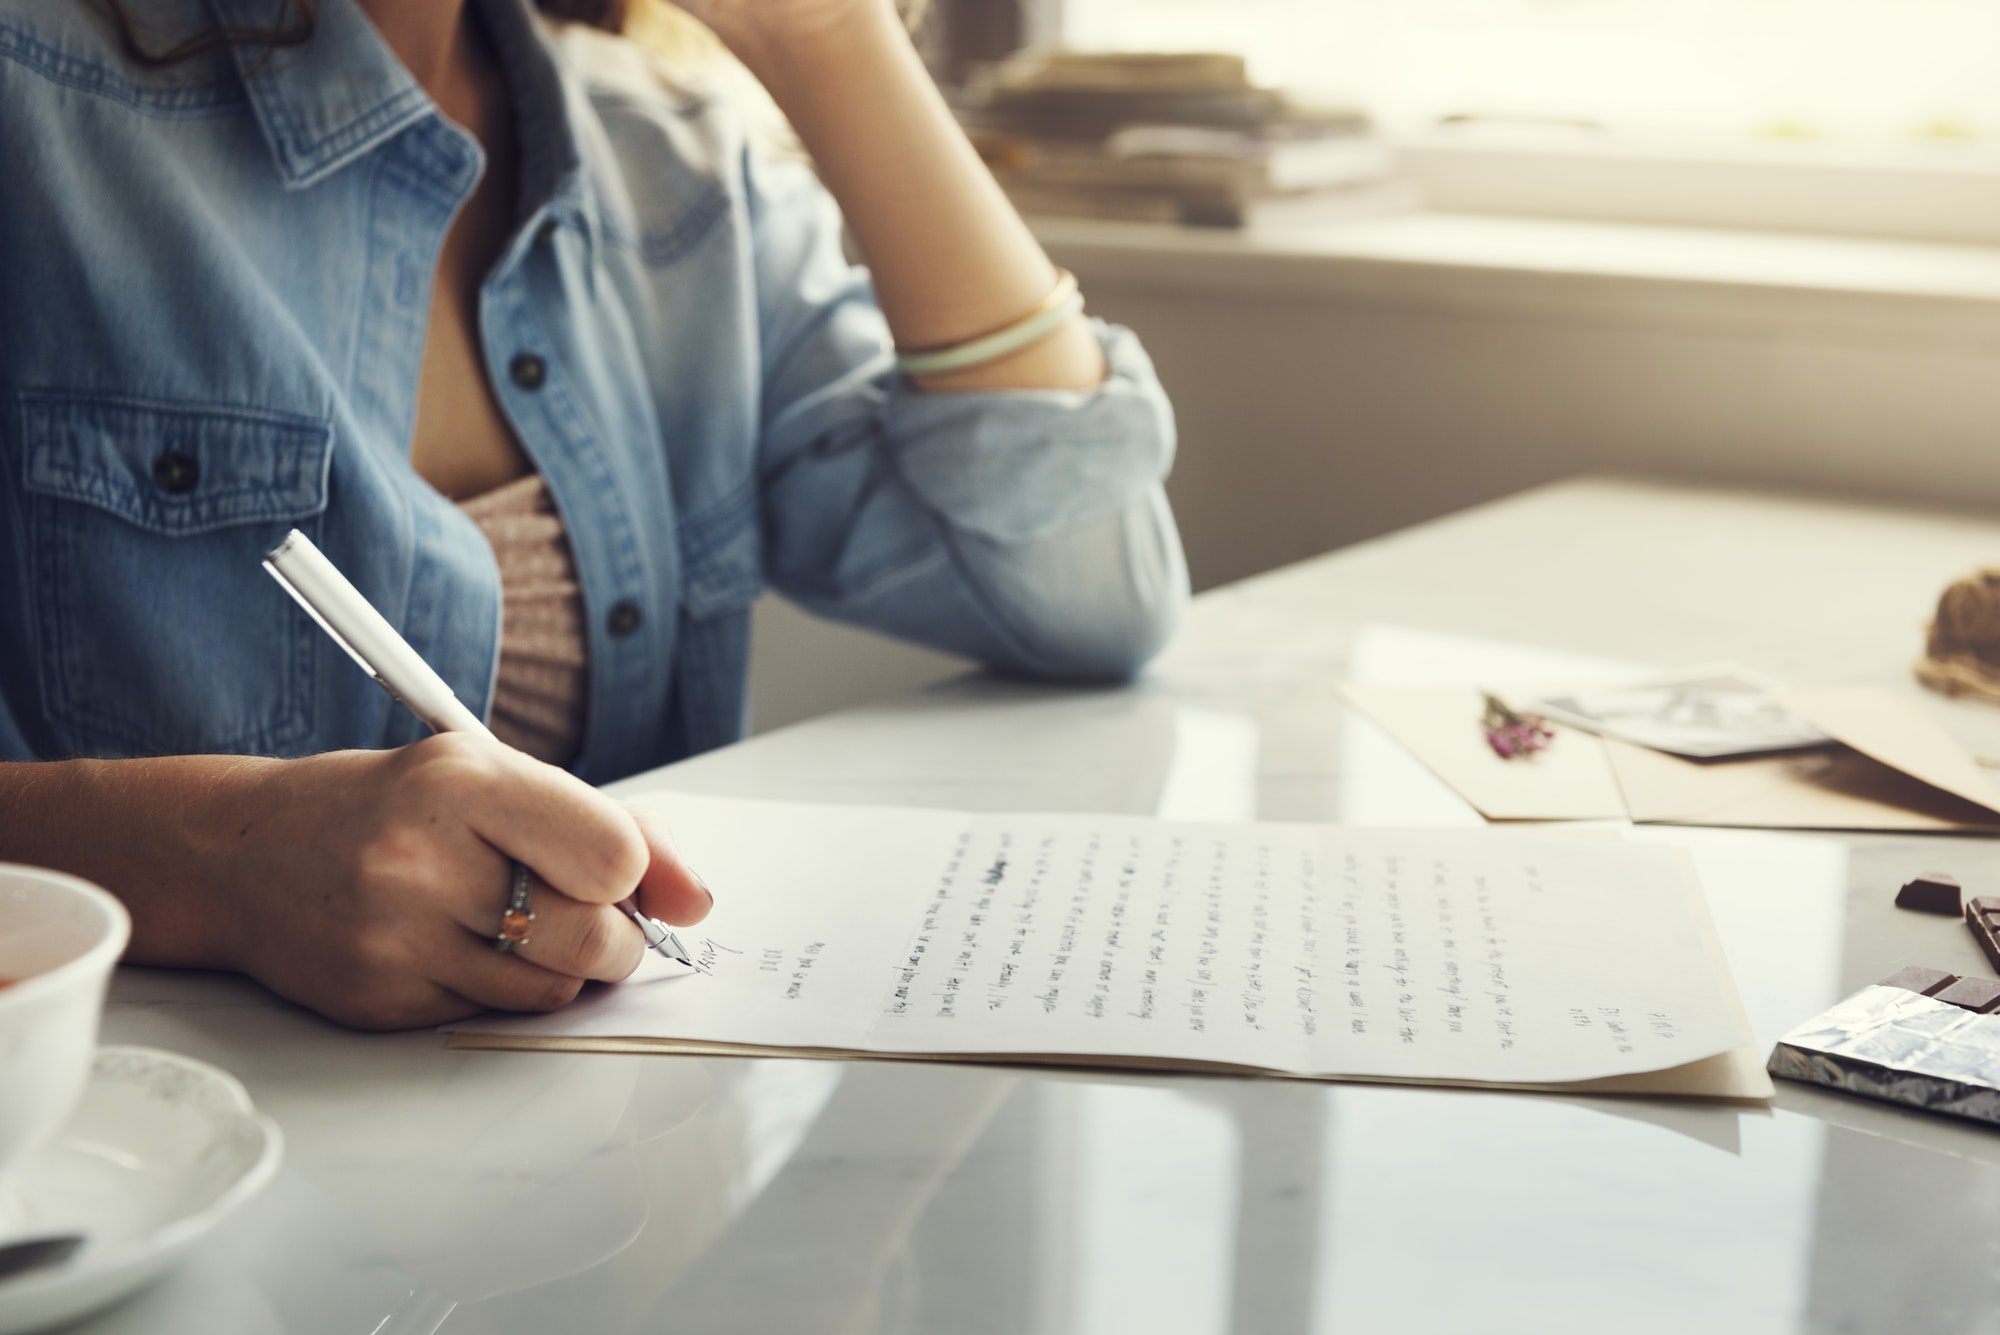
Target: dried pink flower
x=1511, y=734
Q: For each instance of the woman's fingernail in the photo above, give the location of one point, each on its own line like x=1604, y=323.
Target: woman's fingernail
x=704, y=886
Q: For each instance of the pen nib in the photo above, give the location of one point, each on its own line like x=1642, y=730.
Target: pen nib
x=663, y=941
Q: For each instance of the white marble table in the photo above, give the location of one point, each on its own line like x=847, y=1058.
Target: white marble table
x=431, y=1190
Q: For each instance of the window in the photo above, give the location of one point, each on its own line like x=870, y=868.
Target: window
x=1876, y=71
x=1876, y=118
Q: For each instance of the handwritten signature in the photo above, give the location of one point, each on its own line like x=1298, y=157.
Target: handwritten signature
x=709, y=952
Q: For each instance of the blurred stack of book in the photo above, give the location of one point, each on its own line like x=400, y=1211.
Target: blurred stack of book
x=1184, y=138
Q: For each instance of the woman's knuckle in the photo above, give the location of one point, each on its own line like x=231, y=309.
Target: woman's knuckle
x=620, y=859
x=553, y=993
x=447, y=745
x=450, y=763
x=597, y=942
x=393, y=855
x=446, y=781
x=380, y=954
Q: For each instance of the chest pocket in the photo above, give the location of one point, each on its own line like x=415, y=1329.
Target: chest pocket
x=722, y=574
x=159, y=631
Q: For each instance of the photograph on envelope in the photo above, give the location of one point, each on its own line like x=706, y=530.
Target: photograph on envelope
x=1703, y=714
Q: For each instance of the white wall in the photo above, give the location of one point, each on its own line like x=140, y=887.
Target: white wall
x=1307, y=426
x=1316, y=413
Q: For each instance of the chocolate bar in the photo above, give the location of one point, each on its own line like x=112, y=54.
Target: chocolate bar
x=1978, y=995
x=1933, y=892
x=1981, y=996
x=1916, y=978
x=1982, y=915
x=1922, y=1037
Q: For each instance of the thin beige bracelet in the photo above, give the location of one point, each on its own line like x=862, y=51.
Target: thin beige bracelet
x=1051, y=312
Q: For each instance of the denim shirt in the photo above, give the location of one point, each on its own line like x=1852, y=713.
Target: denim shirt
x=214, y=291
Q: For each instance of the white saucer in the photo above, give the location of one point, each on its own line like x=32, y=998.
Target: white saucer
x=158, y=1151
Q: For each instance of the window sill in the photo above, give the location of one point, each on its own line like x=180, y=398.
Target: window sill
x=1780, y=285
x=1942, y=192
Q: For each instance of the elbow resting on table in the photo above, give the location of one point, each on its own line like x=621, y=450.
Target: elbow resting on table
x=1104, y=623
x=1112, y=651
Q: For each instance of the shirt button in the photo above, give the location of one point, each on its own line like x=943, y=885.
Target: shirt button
x=623, y=620
x=175, y=473
x=528, y=370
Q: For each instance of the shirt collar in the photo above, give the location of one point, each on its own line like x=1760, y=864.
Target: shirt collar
x=549, y=102
x=329, y=100
x=334, y=98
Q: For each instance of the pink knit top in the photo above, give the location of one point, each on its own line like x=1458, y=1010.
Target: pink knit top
x=538, y=697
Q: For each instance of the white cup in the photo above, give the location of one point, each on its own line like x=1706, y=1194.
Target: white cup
x=59, y=938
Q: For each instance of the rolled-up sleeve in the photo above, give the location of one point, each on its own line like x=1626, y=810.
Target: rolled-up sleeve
x=1025, y=529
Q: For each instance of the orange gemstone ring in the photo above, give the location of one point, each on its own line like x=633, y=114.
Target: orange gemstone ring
x=516, y=918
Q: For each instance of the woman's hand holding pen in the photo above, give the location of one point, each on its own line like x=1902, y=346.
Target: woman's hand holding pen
x=369, y=885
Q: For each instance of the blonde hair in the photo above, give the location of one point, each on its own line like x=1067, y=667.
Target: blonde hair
x=671, y=34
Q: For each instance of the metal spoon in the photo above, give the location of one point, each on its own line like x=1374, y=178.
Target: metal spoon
x=34, y=1253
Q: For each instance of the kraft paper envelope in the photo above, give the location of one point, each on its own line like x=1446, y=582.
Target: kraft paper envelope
x=1833, y=789
x=1571, y=780
x=1903, y=773
x=1898, y=732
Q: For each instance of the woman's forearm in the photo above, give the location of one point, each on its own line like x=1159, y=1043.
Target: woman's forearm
x=368, y=885
x=950, y=257
x=156, y=833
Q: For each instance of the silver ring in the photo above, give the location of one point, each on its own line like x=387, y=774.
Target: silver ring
x=516, y=918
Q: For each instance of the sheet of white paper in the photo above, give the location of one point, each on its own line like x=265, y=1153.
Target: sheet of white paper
x=1322, y=950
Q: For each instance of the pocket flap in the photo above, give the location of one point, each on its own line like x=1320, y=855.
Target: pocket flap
x=722, y=559
x=171, y=467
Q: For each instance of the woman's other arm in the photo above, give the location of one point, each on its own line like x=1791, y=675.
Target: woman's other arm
x=1018, y=520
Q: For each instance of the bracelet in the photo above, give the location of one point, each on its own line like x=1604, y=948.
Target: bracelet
x=1055, y=310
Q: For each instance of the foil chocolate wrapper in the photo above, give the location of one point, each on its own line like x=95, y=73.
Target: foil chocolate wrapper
x=1888, y=1043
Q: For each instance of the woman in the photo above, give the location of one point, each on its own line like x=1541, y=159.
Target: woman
x=562, y=368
